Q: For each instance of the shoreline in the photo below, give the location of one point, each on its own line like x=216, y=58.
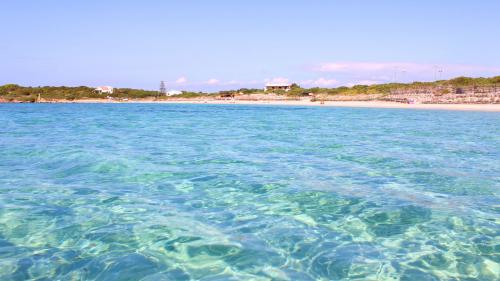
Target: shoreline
x=359, y=104
x=354, y=104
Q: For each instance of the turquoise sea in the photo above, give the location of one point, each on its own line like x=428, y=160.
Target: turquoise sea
x=230, y=192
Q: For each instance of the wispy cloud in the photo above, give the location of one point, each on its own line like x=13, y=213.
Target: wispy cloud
x=213, y=84
x=374, y=67
x=364, y=66
x=368, y=73
x=181, y=80
x=277, y=80
x=213, y=81
x=217, y=82
x=320, y=82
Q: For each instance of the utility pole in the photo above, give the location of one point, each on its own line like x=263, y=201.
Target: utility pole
x=162, y=91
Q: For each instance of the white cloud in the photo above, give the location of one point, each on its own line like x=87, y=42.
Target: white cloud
x=181, y=80
x=231, y=82
x=372, y=72
x=349, y=67
x=320, y=82
x=213, y=81
x=216, y=82
x=366, y=66
x=277, y=80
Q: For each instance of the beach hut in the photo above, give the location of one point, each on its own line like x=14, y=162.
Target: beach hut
x=278, y=86
x=104, y=89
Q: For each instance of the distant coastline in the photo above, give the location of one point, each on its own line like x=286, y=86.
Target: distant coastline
x=461, y=93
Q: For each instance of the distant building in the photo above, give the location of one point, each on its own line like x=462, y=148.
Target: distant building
x=278, y=86
x=173, y=93
x=105, y=89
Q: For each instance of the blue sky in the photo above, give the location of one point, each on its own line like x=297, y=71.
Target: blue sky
x=213, y=45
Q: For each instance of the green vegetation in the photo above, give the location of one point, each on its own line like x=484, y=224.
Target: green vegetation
x=130, y=93
x=187, y=95
x=383, y=89
x=13, y=92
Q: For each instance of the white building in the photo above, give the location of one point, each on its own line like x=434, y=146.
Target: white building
x=105, y=89
x=278, y=86
x=173, y=93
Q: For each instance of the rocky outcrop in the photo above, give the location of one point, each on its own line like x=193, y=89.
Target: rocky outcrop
x=446, y=94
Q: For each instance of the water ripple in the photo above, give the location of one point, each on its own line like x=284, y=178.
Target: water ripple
x=207, y=192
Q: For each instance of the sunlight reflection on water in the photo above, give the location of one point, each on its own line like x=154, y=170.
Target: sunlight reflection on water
x=189, y=192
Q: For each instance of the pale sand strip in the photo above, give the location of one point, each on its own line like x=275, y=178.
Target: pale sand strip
x=364, y=104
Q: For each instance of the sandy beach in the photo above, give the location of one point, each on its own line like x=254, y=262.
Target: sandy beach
x=361, y=104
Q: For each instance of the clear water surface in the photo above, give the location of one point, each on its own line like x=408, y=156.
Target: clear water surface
x=214, y=192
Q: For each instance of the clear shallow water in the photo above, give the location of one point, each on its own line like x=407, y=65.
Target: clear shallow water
x=185, y=192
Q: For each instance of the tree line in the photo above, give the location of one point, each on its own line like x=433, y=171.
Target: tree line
x=13, y=92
